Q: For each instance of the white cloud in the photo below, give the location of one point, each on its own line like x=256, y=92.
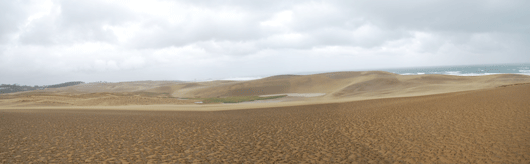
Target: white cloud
x=126, y=40
x=280, y=20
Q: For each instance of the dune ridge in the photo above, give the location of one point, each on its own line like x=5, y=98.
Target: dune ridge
x=336, y=87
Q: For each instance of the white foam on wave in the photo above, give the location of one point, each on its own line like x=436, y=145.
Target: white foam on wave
x=452, y=72
x=477, y=74
x=524, y=71
x=484, y=74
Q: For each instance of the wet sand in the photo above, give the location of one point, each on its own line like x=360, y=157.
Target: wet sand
x=483, y=126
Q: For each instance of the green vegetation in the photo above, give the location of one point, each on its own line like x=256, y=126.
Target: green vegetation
x=236, y=99
x=7, y=88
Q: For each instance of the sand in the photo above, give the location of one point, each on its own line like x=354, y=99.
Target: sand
x=54, y=99
x=479, y=126
x=306, y=89
x=339, y=117
x=296, y=94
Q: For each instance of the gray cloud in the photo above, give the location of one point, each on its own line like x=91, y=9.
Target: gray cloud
x=464, y=16
x=12, y=15
x=126, y=40
x=76, y=22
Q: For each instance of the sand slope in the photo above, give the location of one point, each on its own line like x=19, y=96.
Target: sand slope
x=336, y=87
x=344, y=85
x=481, y=126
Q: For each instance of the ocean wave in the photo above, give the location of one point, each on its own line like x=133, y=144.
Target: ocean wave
x=478, y=74
x=452, y=72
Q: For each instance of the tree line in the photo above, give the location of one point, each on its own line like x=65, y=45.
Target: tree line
x=10, y=88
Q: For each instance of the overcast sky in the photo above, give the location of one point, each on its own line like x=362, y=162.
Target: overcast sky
x=47, y=42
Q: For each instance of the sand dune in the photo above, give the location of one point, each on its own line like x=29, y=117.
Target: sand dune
x=340, y=117
x=296, y=95
x=335, y=87
x=479, y=126
x=348, y=85
x=51, y=100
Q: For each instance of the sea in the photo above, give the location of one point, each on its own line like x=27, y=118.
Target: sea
x=460, y=70
x=469, y=70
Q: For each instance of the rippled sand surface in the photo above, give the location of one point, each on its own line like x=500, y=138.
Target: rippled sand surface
x=484, y=126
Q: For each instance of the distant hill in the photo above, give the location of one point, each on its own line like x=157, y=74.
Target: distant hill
x=8, y=88
x=345, y=86
x=65, y=84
